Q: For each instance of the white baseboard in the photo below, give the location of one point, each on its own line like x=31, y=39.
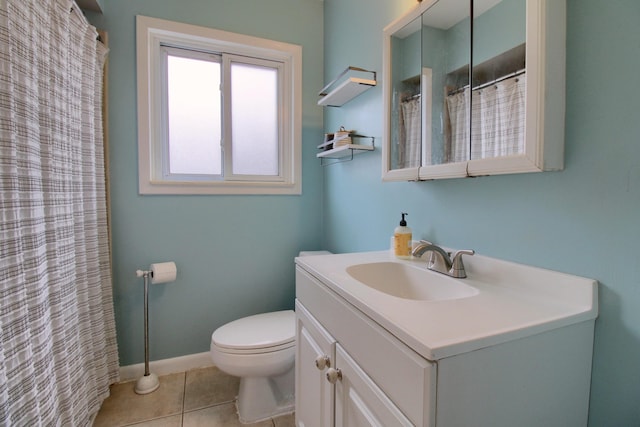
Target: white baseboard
x=167, y=366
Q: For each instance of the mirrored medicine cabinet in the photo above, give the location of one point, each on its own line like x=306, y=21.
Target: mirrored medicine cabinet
x=474, y=87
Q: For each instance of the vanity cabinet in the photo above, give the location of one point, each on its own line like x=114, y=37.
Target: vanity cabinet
x=359, y=402
x=378, y=380
x=356, y=399
x=315, y=352
x=355, y=368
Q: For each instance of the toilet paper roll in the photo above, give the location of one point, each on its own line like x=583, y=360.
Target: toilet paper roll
x=163, y=272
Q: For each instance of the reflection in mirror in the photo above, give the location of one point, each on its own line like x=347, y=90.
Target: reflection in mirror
x=499, y=83
x=493, y=111
x=446, y=36
x=423, y=53
x=432, y=119
x=406, y=100
x=490, y=90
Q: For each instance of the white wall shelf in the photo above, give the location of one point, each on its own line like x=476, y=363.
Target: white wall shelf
x=345, y=88
x=343, y=153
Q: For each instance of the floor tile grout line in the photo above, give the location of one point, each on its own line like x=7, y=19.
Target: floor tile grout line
x=199, y=408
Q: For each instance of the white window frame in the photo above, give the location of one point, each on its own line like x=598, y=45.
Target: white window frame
x=151, y=34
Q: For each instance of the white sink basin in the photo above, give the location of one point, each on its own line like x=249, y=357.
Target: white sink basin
x=409, y=282
x=439, y=316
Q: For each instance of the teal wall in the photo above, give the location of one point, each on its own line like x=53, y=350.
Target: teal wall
x=495, y=31
x=583, y=220
x=407, y=51
x=234, y=253
x=498, y=30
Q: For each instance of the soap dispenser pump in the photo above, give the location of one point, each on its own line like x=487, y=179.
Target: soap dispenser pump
x=402, y=239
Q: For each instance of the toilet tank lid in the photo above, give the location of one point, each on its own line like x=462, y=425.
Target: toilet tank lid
x=258, y=331
x=312, y=253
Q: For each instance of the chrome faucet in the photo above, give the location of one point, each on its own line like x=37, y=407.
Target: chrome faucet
x=442, y=261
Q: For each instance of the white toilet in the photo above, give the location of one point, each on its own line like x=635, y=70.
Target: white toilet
x=260, y=350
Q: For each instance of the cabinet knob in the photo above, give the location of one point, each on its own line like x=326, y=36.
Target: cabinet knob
x=334, y=375
x=323, y=362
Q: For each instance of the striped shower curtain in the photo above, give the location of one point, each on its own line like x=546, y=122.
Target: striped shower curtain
x=457, y=111
x=497, y=121
x=410, y=141
x=58, y=351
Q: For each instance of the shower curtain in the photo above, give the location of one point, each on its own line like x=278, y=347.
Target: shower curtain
x=409, y=149
x=58, y=351
x=457, y=144
x=497, y=120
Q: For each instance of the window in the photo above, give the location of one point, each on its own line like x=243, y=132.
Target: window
x=218, y=112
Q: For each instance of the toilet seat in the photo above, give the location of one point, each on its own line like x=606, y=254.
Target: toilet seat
x=261, y=333
x=262, y=350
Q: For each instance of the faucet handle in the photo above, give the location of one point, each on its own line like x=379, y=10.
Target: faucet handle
x=457, y=266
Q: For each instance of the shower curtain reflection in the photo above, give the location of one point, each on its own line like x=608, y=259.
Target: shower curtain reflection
x=409, y=150
x=497, y=121
x=457, y=130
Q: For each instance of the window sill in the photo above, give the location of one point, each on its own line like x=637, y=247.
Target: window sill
x=222, y=188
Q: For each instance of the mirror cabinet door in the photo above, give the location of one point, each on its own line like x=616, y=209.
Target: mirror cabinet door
x=505, y=116
x=499, y=78
x=427, y=55
x=406, y=106
x=446, y=36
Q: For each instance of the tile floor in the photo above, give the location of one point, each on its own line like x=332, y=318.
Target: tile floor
x=200, y=397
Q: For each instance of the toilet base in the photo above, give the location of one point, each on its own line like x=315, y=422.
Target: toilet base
x=261, y=398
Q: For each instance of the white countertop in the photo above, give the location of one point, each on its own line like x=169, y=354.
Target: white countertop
x=513, y=301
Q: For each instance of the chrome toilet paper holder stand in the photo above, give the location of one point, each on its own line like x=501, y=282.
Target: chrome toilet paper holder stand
x=149, y=382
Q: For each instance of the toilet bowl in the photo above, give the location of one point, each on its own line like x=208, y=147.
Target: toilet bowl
x=260, y=350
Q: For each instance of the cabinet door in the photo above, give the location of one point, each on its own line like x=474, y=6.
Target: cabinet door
x=359, y=402
x=315, y=354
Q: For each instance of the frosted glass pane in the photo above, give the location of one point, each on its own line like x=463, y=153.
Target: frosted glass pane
x=254, y=113
x=194, y=116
